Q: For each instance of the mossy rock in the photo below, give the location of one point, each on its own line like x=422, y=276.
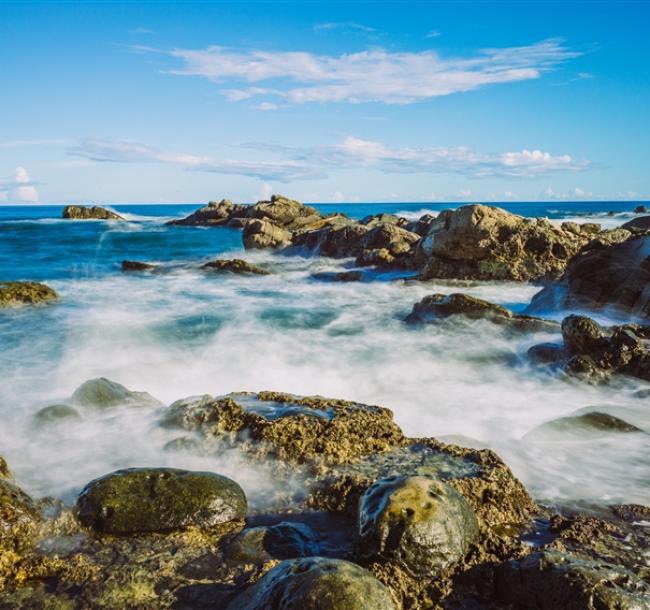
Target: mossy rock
x=421, y=524
x=140, y=500
x=315, y=583
x=56, y=414
x=102, y=392
x=13, y=294
x=18, y=512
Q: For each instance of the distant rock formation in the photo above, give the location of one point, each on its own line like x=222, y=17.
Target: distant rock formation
x=95, y=212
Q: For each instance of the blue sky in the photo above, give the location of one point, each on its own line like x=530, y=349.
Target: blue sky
x=324, y=101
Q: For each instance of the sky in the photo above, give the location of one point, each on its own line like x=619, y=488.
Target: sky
x=338, y=101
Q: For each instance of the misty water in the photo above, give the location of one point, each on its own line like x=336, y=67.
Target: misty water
x=186, y=333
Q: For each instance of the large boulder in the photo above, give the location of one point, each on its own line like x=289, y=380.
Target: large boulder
x=95, y=212
x=487, y=243
x=315, y=583
x=260, y=234
x=102, y=392
x=611, y=273
x=212, y=215
x=385, y=245
x=141, y=500
x=237, y=266
x=642, y=223
x=436, y=307
x=336, y=240
x=421, y=524
x=284, y=212
x=13, y=294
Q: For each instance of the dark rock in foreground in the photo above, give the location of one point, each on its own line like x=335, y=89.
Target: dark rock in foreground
x=436, y=307
x=638, y=224
x=137, y=266
x=236, y=265
x=80, y=212
x=138, y=500
x=13, y=294
x=611, y=273
x=315, y=583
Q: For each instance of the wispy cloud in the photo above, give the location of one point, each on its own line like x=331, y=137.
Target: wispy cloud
x=433, y=34
x=34, y=142
x=21, y=188
x=358, y=153
x=346, y=26
x=121, y=151
x=307, y=163
x=374, y=75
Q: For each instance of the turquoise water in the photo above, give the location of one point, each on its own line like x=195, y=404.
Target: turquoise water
x=186, y=333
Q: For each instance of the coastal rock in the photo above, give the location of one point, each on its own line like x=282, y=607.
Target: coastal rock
x=315, y=583
x=13, y=294
x=137, y=266
x=375, y=220
x=290, y=428
x=547, y=353
x=260, y=234
x=95, y=212
x=641, y=209
x=337, y=240
x=236, y=266
x=102, y=392
x=435, y=307
x=637, y=224
x=421, y=524
x=212, y=215
x=18, y=513
x=284, y=212
x=421, y=225
x=612, y=272
x=141, y=500
x=594, y=353
x=591, y=424
x=267, y=542
x=384, y=244
x=56, y=414
x=487, y=243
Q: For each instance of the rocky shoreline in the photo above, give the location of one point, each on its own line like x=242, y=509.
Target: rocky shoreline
x=380, y=521
x=366, y=518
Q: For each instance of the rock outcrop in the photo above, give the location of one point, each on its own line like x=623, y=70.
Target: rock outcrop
x=436, y=307
x=235, y=265
x=140, y=500
x=612, y=272
x=595, y=353
x=95, y=212
x=137, y=266
x=487, y=243
x=102, y=393
x=15, y=294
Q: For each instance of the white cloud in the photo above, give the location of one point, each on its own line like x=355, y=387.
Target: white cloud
x=347, y=26
x=571, y=194
x=21, y=189
x=121, y=151
x=433, y=34
x=358, y=153
x=375, y=75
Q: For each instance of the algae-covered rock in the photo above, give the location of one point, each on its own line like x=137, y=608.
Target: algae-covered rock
x=18, y=512
x=266, y=542
x=80, y=212
x=421, y=524
x=315, y=583
x=102, y=392
x=140, y=500
x=435, y=307
x=56, y=414
x=14, y=294
x=236, y=265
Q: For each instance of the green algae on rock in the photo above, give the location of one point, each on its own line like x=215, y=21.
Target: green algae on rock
x=421, y=524
x=315, y=583
x=102, y=392
x=139, y=500
x=13, y=294
x=95, y=212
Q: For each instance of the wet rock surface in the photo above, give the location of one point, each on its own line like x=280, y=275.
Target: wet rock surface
x=137, y=266
x=436, y=307
x=95, y=212
x=15, y=294
x=236, y=266
x=611, y=273
x=595, y=353
x=139, y=500
x=102, y=393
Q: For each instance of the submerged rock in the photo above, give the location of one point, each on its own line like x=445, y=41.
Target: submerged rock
x=235, y=265
x=421, y=524
x=14, y=294
x=315, y=583
x=487, y=243
x=95, y=212
x=137, y=266
x=612, y=273
x=140, y=500
x=593, y=423
x=102, y=392
x=56, y=414
x=436, y=307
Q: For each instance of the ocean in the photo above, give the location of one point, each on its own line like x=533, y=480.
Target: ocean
x=187, y=333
